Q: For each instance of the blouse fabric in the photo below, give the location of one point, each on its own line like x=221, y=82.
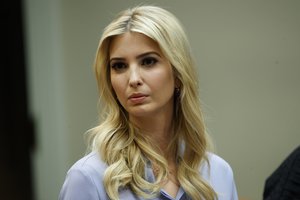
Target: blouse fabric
x=84, y=181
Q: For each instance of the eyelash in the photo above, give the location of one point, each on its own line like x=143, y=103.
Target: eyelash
x=152, y=60
x=147, y=62
x=118, y=66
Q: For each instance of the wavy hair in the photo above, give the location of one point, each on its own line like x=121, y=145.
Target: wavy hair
x=120, y=143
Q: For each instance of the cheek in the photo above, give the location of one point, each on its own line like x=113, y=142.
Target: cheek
x=117, y=86
x=163, y=82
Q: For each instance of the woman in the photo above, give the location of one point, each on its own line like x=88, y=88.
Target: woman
x=152, y=142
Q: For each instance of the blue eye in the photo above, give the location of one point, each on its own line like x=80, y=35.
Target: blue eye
x=118, y=66
x=149, y=61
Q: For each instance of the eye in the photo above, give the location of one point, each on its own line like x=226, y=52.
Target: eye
x=149, y=61
x=118, y=66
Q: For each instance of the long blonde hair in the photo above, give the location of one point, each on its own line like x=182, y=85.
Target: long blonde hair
x=120, y=144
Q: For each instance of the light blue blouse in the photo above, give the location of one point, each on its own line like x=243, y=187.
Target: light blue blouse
x=84, y=181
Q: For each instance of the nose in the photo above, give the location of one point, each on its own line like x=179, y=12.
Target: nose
x=135, y=78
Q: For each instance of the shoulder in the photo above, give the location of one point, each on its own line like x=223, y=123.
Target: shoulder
x=84, y=179
x=90, y=166
x=90, y=163
x=216, y=167
x=218, y=173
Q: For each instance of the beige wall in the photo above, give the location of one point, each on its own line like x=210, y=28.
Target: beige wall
x=248, y=55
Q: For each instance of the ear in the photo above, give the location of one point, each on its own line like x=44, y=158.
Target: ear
x=177, y=83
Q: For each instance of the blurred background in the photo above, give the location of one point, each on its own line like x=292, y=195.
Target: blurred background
x=247, y=52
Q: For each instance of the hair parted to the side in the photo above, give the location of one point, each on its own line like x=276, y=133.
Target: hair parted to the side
x=120, y=144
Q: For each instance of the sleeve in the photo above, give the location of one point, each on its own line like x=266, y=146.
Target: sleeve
x=78, y=185
x=226, y=184
x=220, y=175
x=234, y=194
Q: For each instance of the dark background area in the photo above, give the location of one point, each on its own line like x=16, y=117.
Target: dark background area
x=16, y=127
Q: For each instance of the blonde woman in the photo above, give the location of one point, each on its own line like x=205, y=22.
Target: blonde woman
x=151, y=143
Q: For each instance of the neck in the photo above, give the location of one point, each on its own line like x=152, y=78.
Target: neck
x=158, y=128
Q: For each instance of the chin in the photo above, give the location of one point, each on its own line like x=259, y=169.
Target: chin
x=140, y=112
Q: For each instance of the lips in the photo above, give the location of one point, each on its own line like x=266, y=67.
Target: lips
x=137, y=98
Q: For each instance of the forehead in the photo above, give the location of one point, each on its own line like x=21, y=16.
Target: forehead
x=132, y=43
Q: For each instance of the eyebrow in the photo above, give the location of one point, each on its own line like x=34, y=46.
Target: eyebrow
x=138, y=57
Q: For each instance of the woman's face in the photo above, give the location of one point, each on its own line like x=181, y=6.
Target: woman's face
x=141, y=76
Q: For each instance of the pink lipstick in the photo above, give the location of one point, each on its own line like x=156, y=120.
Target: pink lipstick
x=137, y=98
